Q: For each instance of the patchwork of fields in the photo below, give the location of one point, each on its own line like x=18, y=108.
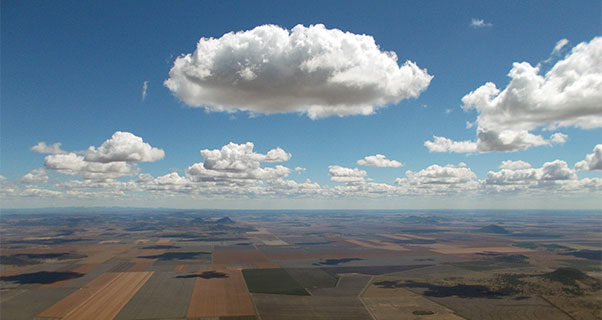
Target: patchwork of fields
x=201, y=265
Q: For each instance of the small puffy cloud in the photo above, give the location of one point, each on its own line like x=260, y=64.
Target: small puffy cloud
x=144, y=90
x=512, y=165
x=347, y=175
x=237, y=163
x=558, y=138
x=124, y=146
x=568, y=95
x=436, y=174
x=593, y=161
x=76, y=165
x=36, y=175
x=300, y=170
x=312, y=70
x=42, y=147
x=559, y=45
x=479, y=23
x=379, y=160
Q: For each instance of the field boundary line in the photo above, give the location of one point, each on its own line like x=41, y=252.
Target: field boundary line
x=359, y=297
x=437, y=303
x=557, y=307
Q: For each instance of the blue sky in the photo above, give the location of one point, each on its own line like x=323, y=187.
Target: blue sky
x=73, y=73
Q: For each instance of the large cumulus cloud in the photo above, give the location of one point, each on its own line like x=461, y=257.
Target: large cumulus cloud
x=568, y=95
x=124, y=146
x=312, y=70
x=238, y=163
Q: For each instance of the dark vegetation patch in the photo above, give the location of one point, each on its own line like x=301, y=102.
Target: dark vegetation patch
x=42, y=277
x=422, y=312
x=424, y=259
x=313, y=278
x=24, y=259
x=595, y=255
x=584, y=265
x=205, y=275
x=160, y=246
x=493, y=228
x=121, y=267
x=496, y=261
x=440, y=291
x=334, y=262
x=550, y=247
x=274, y=281
x=168, y=256
x=143, y=227
x=373, y=270
x=53, y=241
x=221, y=227
x=537, y=235
x=570, y=276
x=428, y=220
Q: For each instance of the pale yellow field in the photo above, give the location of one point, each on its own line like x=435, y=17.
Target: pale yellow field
x=221, y=297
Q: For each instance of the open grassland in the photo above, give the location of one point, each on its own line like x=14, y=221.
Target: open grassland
x=350, y=285
x=377, y=244
x=101, y=299
x=275, y=281
x=220, y=293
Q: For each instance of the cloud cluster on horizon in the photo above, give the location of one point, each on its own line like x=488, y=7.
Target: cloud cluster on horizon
x=312, y=70
x=236, y=170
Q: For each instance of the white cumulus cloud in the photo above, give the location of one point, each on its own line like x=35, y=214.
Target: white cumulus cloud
x=347, y=175
x=593, y=161
x=312, y=70
x=519, y=164
x=238, y=163
x=36, y=175
x=124, y=146
x=379, y=160
x=568, y=95
x=42, y=147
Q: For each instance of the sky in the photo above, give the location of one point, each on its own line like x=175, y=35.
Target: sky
x=302, y=105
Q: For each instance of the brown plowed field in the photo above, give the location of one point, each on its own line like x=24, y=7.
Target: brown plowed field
x=141, y=266
x=220, y=297
x=103, y=298
x=181, y=267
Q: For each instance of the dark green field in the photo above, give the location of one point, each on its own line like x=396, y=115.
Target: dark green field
x=275, y=281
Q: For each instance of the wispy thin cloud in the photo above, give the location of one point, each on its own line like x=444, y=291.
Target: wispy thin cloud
x=559, y=45
x=144, y=89
x=480, y=23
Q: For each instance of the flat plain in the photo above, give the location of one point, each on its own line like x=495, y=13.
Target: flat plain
x=202, y=264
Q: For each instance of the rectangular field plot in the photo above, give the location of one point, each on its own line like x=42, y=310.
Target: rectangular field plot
x=223, y=258
x=20, y=306
x=163, y=296
x=313, y=278
x=103, y=298
x=277, y=306
x=220, y=293
x=276, y=281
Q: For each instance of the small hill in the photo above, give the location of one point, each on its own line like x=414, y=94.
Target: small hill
x=493, y=228
x=224, y=220
x=569, y=276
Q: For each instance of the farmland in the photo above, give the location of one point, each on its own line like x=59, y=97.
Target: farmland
x=300, y=265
